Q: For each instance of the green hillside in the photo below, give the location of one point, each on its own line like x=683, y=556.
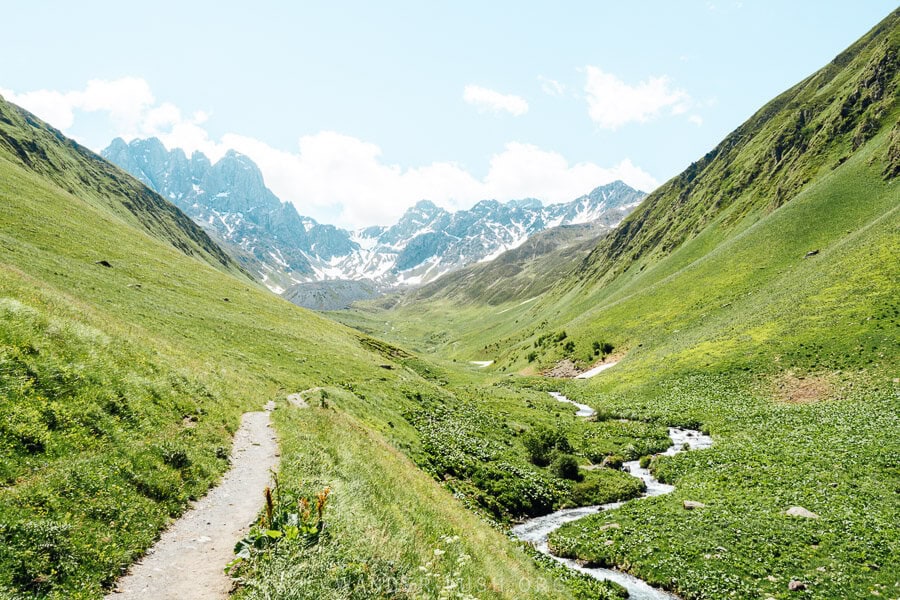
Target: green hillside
x=755, y=296
x=129, y=347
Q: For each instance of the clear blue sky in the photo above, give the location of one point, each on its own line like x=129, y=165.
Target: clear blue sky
x=378, y=90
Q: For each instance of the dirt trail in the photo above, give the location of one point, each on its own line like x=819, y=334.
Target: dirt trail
x=188, y=560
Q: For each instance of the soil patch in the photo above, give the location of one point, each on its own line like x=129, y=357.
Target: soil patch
x=793, y=389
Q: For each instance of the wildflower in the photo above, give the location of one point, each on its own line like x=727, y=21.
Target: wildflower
x=270, y=506
x=321, y=498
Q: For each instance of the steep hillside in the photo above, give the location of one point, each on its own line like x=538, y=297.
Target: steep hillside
x=331, y=294
x=793, y=140
x=123, y=380
x=518, y=274
x=32, y=144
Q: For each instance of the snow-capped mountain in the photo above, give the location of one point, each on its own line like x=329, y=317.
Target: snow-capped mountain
x=230, y=200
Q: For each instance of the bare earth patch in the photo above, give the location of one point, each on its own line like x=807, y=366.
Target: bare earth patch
x=188, y=561
x=563, y=369
x=791, y=389
x=567, y=369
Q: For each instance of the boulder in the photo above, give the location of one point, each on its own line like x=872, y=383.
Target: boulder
x=692, y=504
x=799, y=511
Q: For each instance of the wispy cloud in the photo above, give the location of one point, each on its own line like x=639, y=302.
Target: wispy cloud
x=551, y=87
x=613, y=103
x=492, y=101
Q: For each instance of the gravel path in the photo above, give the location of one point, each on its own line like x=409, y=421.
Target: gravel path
x=188, y=560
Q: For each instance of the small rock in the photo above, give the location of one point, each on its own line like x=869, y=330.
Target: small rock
x=692, y=504
x=796, y=585
x=608, y=542
x=811, y=253
x=610, y=526
x=799, y=511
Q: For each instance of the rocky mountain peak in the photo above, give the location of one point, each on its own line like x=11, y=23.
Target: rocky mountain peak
x=270, y=238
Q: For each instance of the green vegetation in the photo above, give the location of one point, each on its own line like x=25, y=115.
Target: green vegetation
x=385, y=520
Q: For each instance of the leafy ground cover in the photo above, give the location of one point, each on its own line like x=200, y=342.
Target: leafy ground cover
x=836, y=458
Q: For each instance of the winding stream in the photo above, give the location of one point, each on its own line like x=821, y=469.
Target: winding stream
x=538, y=530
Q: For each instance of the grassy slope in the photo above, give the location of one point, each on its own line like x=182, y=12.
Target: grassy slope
x=727, y=325
x=32, y=144
x=121, y=386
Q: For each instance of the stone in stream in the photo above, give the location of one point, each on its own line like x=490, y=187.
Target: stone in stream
x=799, y=511
x=692, y=504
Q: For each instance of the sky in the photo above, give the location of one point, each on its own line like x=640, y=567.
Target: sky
x=356, y=110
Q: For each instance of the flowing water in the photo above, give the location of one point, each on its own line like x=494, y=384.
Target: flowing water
x=537, y=530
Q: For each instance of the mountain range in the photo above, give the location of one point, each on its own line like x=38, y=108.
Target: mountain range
x=230, y=200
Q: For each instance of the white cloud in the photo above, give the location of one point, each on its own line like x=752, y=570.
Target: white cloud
x=696, y=120
x=332, y=177
x=524, y=170
x=125, y=100
x=551, y=87
x=613, y=103
x=491, y=101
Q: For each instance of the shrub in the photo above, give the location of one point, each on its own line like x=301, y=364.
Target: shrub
x=175, y=457
x=565, y=466
x=542, y=441
x=290, y=517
